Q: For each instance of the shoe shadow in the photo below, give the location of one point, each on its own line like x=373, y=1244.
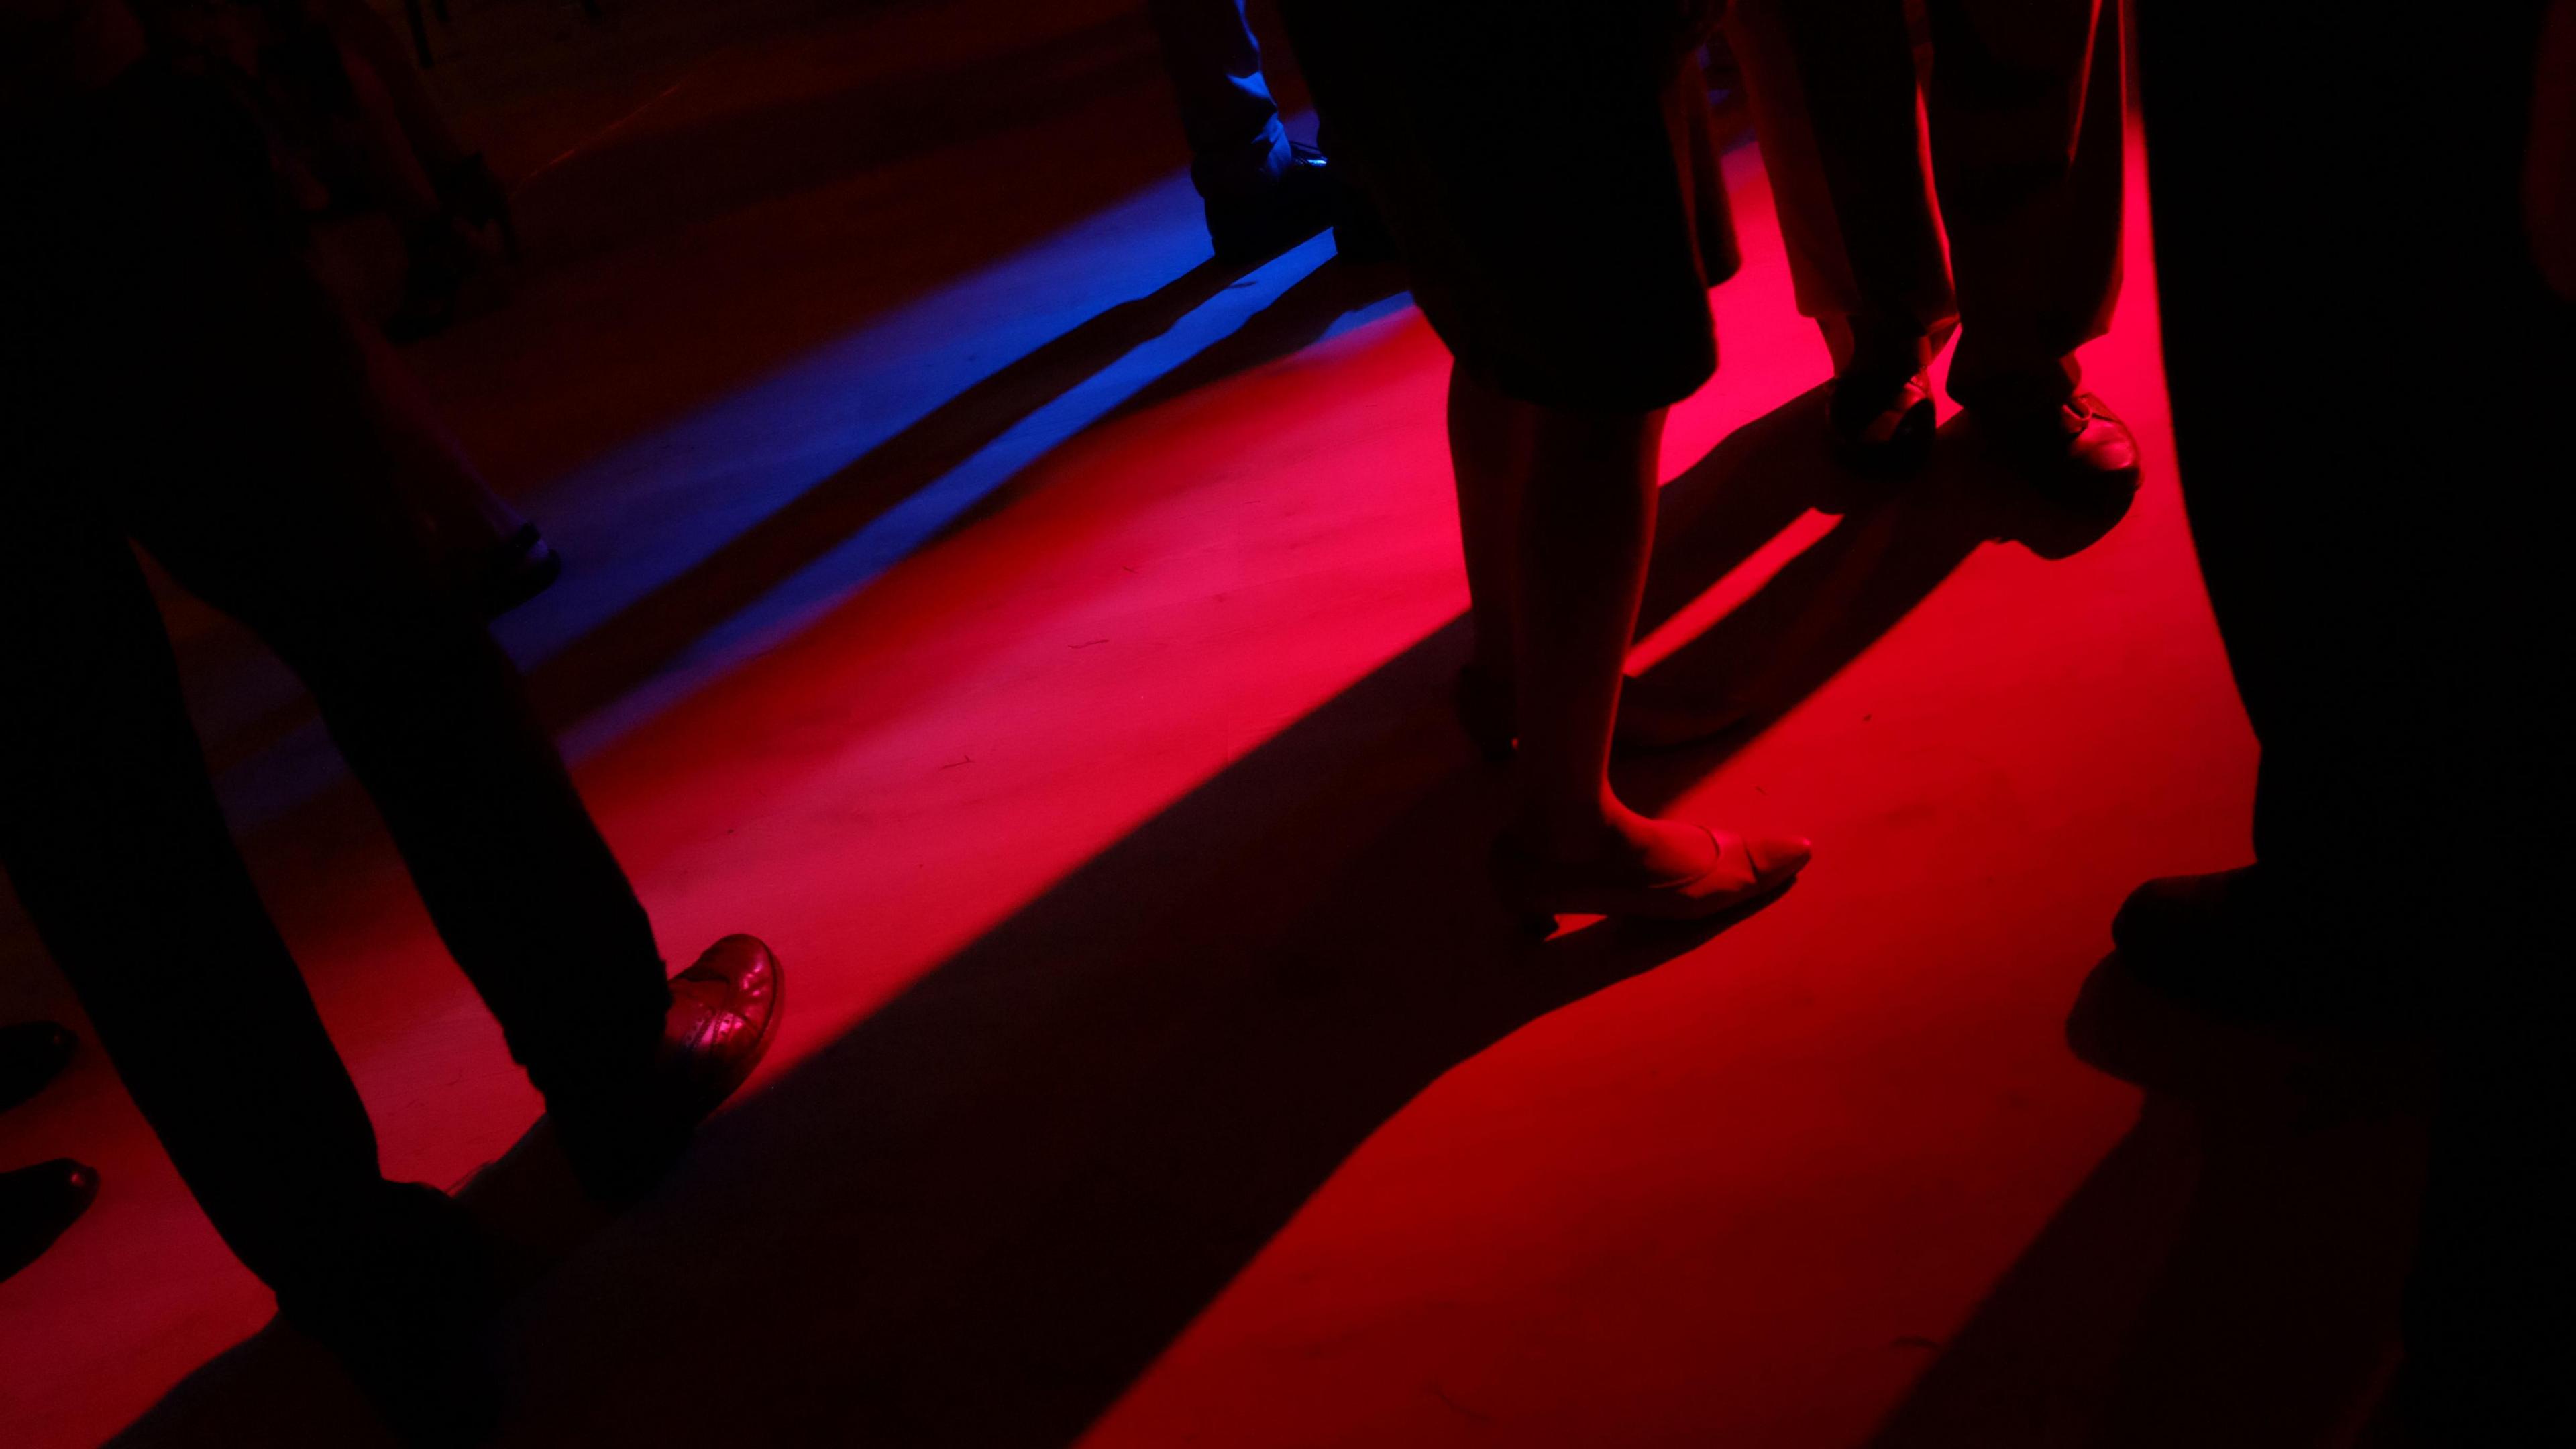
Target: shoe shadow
x=979, y=1215
x=982, y=1213
x=2229, y=1274
x=1297, y=318
x=1896, y=541
x=627, y=649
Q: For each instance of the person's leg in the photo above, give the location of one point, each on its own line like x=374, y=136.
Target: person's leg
x=1587, y=524
x=1820, y=267
x=2026, y=119
x=117, y=849
x=1263, y=193
x=1850, y=68
x=1489, y=452
x=434, y=722
x=1854, y=63
x=282, y=510
x=2399, y=644
x=1237, y=146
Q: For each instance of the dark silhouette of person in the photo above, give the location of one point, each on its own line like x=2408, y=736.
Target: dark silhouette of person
x=37, y=1202
x=2390, y=587
x=173, y=376
x=2021, y=172
x=1569, y=282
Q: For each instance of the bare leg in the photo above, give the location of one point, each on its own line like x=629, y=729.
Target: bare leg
x=1587, y=524
x=1489, y=449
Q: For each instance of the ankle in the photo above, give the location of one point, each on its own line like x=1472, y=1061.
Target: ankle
x=1571, y=837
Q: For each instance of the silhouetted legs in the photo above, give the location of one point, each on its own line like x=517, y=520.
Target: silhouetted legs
x=1237, y=145
x=2389, y=582
x=181, y=380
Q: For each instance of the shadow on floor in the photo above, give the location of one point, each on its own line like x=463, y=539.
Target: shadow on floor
x=1895, y=542
x=978, y=1216
x=2229, y=1275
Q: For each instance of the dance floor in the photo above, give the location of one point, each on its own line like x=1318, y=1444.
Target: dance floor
x=1042, y=636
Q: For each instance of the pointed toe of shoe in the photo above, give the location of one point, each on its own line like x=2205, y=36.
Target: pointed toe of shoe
x=1779, y=857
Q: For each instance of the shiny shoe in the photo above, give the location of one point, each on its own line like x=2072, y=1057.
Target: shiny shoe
x=1881, y=427
x=32, y=1053
x=1746, y=872
x=722, y=1010
x=2077, y=447
x=36, y=1204
x=716, y=1031
x=1293, y=206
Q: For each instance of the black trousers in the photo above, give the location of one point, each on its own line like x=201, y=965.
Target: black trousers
x=2024, y=112
x=1214, y=61
x=2371, y=389
x=175, y=377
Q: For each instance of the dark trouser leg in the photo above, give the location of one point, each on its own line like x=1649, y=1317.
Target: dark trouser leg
x=2025, y=112
x=190, y=385
x=2388, y=589
x=113, y=840
x=1236, y=141
x=305, y=541
x=1854, y=66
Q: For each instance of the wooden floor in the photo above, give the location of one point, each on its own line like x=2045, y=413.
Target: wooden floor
x=1042, y=636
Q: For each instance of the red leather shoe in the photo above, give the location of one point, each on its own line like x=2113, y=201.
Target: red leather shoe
x=722, y=1009
x=2078, y=446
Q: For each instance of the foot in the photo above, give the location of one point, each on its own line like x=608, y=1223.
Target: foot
x=1882, y=425
x=2077, y=447
x=32, y=1053
x=36, y=1204
x=405, y=1307
x=1291, y=207
x=1648, y=868
x=722, y=1010
x=2237, y=946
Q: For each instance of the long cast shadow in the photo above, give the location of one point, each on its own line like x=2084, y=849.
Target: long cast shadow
x=978, y=1216
x=1896, y=541
x=625, y=650
x=2229, y=1275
